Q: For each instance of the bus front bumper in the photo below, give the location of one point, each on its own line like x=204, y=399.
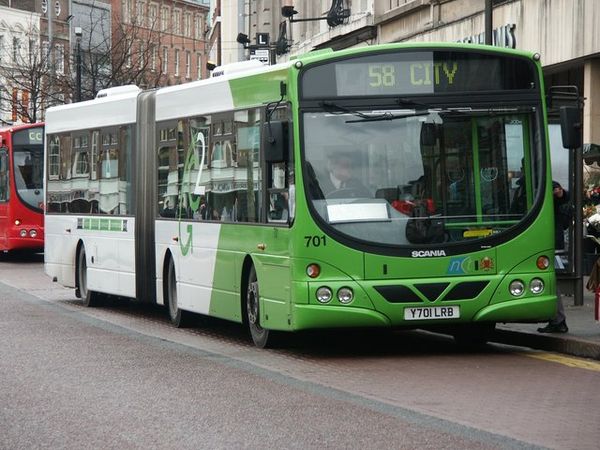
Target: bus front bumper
x=532, y=309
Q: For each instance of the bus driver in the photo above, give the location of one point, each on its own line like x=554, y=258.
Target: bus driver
x=341, y=179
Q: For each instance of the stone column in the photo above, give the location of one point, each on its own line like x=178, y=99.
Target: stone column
x=591, y=110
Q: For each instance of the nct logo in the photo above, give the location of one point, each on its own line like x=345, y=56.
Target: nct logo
x=458, y=266
x=466, y=264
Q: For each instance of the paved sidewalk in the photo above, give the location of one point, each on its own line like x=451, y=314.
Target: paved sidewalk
x=583, y=338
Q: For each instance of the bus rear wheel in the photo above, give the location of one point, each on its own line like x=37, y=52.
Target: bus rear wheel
x=89, y=298
x=179, y=318
x=261, y=337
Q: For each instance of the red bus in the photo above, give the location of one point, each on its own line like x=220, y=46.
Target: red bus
x=21, y=187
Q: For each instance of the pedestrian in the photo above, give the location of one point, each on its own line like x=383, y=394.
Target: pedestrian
x=562, y=219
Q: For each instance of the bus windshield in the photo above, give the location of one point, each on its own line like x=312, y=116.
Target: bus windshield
x=421, y=176
x=28, y=169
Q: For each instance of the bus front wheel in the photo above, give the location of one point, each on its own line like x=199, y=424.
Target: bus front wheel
x=89, y=298
x=262, y=337
x=179, y=318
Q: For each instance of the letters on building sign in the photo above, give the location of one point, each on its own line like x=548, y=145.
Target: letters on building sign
x=503, y=36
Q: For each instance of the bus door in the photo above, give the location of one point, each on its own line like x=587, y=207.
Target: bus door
x=480, y=164
x=4, y=195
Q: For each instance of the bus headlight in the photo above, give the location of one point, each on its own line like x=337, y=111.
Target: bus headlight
x=536, y=286
x=33, y=233
x=345, y=295
x=324, y=294
x=23, y=233
x=516, y=288
x=17, y=222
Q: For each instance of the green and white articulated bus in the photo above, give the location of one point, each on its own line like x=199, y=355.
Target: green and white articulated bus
x=400, y=185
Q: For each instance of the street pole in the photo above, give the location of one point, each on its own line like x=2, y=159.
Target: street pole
x=78, y=33
x=578, y=227
x=50, y=55
x=488, y=22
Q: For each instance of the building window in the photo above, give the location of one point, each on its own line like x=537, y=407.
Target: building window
x=165, y=60
x=32, y=51
x=82, y=165
x=198, y=26
x=187, y=25
x=199, y=67
x=177, y=21
x=188, y=65
x=94, y=154
x=16, y=53
x=176, y=62
x=154, y=56
x=59, y=58
x=128, y=55
x=126, y=6
x=45, y=54
x=164, y=18
x=141, y=54
x=54, y=158
x=152, y=16
x=140, y=11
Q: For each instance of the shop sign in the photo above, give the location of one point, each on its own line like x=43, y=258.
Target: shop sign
x=503, y=36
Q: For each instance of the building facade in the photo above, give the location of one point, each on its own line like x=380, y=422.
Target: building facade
x=564, y=32
x=18, y=31
x=165, y=39
x=28, y=65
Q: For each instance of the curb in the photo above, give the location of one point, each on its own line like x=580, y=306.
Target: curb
x=566, y=345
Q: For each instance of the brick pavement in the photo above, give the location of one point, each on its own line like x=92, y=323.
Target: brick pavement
x=583, y=338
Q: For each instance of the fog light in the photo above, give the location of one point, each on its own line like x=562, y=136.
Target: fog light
x=536, y=286
x=345, y=295
x=324, y=294
x=516, y=288
x=313, y=270
x=33, y=233
x=543, y=262
x=23, y=233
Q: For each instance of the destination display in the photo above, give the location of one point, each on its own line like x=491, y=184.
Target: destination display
x=30, y=136
x=411, y=73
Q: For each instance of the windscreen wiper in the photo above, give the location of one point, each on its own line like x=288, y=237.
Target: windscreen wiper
x=334, y=108
x=389, y=116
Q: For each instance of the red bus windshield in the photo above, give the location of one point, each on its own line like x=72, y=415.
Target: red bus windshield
x=28, y=163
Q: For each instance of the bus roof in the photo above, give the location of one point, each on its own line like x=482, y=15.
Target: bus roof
x=99, y=112
x=216, y=93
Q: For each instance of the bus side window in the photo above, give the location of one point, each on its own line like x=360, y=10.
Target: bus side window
x=280, y=167
x=4, y=176
x=248, y=199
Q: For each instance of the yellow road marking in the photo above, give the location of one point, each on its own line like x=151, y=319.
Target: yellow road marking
x=579, y=363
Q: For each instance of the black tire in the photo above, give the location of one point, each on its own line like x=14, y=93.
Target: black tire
x=88, y=298
x=179, y=318
x=261, y=337
x=474, y=335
